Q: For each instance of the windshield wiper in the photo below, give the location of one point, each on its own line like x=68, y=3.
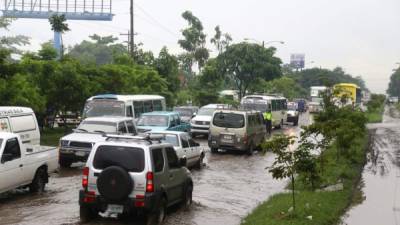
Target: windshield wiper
x=99, y=131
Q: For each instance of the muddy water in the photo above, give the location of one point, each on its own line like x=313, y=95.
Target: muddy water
x=381, y=177
x=227, y=189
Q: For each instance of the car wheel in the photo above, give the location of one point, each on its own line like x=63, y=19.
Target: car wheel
x=65, y=163
x=250, y=150
x=187, y=200
x=214, y=150
x=39, y=182
x=157, y=217
x=200, y=162
x=86, y=214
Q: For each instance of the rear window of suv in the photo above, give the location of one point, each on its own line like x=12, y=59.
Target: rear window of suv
x=129, y=158
x=228, y=120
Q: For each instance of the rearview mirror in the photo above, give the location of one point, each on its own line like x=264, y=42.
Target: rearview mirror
x=6, y=157
x=182, y=162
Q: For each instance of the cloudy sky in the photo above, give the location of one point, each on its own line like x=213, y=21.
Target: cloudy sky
x=362, y=36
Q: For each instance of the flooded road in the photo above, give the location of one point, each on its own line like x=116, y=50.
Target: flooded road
x=381, y=176
x=225, y=190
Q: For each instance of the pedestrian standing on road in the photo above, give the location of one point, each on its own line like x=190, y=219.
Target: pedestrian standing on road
x=268, y=120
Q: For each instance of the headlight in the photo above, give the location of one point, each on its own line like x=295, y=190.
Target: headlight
x=64, y=143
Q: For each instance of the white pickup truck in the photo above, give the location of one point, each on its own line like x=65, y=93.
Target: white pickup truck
x=25, y=165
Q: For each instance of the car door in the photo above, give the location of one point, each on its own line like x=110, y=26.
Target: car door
x=175, y=182
x=11, y=168
x=185, y=149
x=194, y=150
x=122, y=128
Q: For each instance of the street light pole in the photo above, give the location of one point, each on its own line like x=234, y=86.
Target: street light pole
x=263, y=43
x=132, y=31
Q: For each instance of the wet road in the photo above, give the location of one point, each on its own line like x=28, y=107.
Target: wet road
x=225, y=190
x=381, y=176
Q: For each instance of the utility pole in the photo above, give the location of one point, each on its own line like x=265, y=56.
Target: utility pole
x=132, y=32
x=128, y=42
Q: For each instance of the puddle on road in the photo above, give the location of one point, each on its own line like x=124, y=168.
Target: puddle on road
x=380, y=178
x=225, y=191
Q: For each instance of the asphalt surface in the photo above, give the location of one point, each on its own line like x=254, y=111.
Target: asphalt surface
x=381, y=176
x=225, y=190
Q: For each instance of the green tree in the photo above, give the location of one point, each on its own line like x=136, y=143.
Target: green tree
x=99, y=50
x=58, y=24
x=394, y=84
x=47, y=52
x=194, y=40
x=10, y=44
x=221, y=41
x=283, y=85
x=246, y=63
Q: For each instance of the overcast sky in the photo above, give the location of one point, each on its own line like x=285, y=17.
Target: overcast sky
x=362, y=36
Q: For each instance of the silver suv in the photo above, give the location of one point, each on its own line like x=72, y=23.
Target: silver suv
x=134, y=176
x=238, y=130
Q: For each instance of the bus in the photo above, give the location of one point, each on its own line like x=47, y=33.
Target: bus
x=122, y=105
x=349, y=90
x=316, y=98
x=276, y=103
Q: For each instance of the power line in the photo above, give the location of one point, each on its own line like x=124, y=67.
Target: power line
x=156, y=22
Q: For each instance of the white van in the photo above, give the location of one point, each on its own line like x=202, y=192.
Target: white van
x=276, y=103
x=200, y=123
x=22, y=121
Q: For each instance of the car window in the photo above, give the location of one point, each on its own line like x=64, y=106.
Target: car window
x=129, y=111
x=192, y=143
x=129, y=158
x=12, y=148
x=185, y=142
x=131, y=127
x=121, y=128
x=228, y=120
x=158, y=160
x=173, y=161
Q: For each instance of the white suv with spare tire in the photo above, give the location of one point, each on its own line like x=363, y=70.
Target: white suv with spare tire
x=134, y=176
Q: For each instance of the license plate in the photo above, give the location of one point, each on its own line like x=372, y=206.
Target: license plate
x=80, y=153
x=115, y=208
x=227, y=137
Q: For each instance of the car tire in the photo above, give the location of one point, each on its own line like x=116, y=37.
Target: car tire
x=188, y=197
x=157, y=217
x=250, y=150
x=65, y=163
x=39, y=182
x=86, y=214
x=200, y=162
x=214, y=150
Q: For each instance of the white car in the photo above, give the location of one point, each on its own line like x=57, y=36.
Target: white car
x=200, y=123
x=185, y=147
x=75, y=147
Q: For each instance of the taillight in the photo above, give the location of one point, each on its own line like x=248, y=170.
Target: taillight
x=149, y=182
x=85, y=177
x=89, y=197
x=139, y=201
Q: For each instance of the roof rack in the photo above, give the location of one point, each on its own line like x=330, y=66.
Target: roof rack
x=142, y=137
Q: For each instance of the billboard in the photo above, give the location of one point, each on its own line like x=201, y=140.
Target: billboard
x=297, y=60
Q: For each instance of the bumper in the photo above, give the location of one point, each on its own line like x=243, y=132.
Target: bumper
x=215, y=142
x=74, y=155
x=199, y=129
x=130, y=204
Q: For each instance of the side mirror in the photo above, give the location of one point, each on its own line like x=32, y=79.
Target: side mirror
x=194, y=114
x=183, y=162
x=6, y=158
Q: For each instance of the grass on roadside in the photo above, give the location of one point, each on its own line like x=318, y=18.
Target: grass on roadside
x=324, y=207
x=51, y=136
x=375, y=115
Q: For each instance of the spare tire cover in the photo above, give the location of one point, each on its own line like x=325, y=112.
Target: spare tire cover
x=114, y=183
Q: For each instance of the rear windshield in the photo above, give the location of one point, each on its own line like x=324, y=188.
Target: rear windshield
x=131, y=159
x=228, y=120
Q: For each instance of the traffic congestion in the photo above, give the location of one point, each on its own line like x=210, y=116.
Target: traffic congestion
x=119, y=135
